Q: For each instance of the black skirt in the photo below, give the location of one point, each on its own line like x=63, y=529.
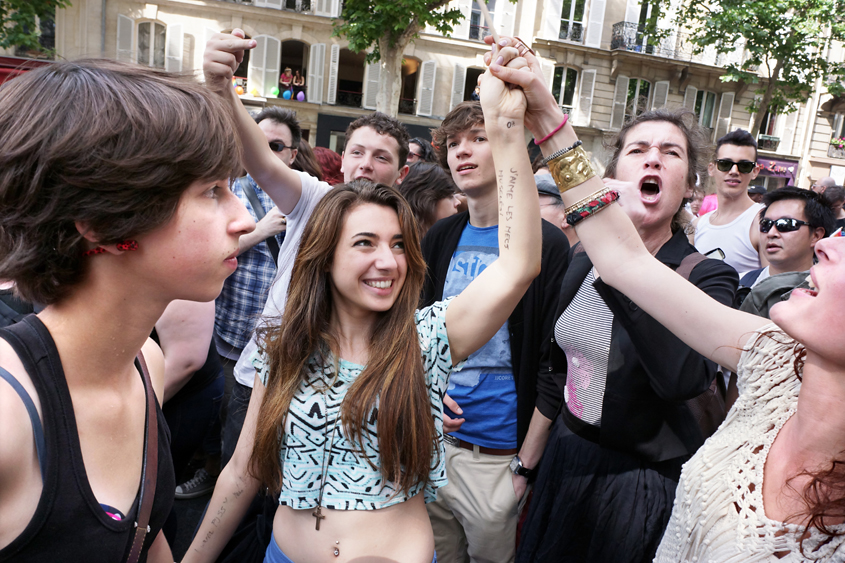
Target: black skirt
x=592, y=504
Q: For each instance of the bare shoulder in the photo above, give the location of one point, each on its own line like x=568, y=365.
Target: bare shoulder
x=155, y=363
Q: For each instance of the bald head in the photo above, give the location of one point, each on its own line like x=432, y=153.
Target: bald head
x=826, y=182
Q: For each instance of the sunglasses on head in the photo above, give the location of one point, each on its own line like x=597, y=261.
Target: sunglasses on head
x=744, y=166
x=784, y=224
x=278, y=146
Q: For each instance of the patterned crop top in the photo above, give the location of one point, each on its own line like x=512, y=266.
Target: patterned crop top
x=351, y=482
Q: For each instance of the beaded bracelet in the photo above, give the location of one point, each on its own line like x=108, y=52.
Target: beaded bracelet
x=591, y=207
x=593, y=196
x=571, y=169
x=561, y=152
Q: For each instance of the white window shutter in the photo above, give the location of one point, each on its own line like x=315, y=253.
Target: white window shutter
x=787, y=135
x=272, y=60
x=316, y=62
x=632, y=11
x=661, y=94
x=255, y=69
x=689, y=97
x=428, y=74
x=458, y=78
x=322, y=8
x=371, y=84
x=550, y=26
x=125, y=38
x=334, y=62
x=620, y=98
x=723, y=123
x=548, y=74
x=173, y=48
x=504, y=17
x=335, y=9
x=277, y=4
x=260, y=3
x=595, y=24
x=585, y=98
x=837, y=124
x=461, y=29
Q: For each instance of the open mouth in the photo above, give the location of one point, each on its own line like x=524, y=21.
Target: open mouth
x=650, y=189
x=467, y=167
x=812, y=290
x=385, y=284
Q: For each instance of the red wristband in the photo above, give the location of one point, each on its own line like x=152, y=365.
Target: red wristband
x=558, y=128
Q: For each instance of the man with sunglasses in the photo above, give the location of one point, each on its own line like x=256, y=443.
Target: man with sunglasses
x=732, y=226
x=792, y=222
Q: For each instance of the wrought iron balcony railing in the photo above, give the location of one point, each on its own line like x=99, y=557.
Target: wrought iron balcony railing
x=768, y=143
x=478, y=32
x=630, y=36
x=407, y=106
x=571, y=32
x=349, y=99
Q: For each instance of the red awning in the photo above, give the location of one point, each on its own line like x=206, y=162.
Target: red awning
x=11, y=67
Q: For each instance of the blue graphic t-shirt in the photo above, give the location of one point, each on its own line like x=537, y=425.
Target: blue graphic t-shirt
x=484, y=388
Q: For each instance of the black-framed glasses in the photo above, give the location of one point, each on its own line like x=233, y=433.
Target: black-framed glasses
x=744, y=166
x=784, y=224
x=278, y=146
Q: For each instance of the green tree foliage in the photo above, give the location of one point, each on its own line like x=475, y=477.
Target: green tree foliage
x=786, y=45
x=18, y=21
x=388, y=26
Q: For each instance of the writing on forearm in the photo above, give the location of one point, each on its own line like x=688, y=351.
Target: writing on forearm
x=510, y=124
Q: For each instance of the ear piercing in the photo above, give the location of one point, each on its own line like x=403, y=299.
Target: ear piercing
x=124, y=246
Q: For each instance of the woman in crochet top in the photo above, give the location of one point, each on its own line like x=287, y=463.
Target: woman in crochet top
x=769, y=485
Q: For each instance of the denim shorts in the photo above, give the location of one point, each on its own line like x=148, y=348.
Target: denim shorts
x=276, y=555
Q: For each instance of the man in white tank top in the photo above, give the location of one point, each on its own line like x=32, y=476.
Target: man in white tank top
x=734, y=226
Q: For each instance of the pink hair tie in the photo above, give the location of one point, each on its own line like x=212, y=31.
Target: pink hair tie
x=558, y=128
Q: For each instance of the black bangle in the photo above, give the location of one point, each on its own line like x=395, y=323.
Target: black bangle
x=561, y=152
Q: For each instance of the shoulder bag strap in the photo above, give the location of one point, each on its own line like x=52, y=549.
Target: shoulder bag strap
x=271, y=241
x=149, y=471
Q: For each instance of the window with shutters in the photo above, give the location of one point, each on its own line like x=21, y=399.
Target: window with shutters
x=151, y=43
x=637, y=99
x=768, y=138
x=477, y=25
x=705, y=108
x=572, y=20
x=563, y=87
x=408, y=89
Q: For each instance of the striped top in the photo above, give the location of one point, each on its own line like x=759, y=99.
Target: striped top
x=583, y=333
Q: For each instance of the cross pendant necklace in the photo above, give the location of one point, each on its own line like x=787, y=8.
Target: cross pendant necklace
x=318, y=512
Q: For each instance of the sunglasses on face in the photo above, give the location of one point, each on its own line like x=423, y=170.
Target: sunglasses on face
x=784, y=224
x=278, y=146
x=744, y=166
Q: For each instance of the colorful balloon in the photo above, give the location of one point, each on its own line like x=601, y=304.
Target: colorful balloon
x=286, y=94
x=300, y=96
x=239, y=90
x=254, y=92
x=275, y=91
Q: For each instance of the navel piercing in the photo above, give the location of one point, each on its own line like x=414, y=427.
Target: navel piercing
x=336, y=550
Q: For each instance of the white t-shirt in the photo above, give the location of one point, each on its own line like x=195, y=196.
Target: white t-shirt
x=734, y=239
x=313, y=191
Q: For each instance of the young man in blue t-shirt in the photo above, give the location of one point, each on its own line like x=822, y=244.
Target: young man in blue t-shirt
x=500, y=404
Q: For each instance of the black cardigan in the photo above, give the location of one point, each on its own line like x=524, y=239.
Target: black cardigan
x=530, y=323
x=650, y=371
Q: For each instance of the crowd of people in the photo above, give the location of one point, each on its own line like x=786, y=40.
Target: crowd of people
x=412, y=351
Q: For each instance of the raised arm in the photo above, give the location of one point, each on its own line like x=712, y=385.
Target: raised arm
x=223, y=54
x=483, y=307
x=184, y=330
x=612, y=243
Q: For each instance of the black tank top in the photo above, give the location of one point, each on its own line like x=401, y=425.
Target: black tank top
x=69, y=524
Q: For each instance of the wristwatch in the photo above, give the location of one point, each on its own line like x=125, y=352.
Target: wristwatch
x=518, y=469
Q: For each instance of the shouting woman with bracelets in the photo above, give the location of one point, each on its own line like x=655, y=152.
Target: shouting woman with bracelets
x=613, y=460
x=345, y=420
x=787, y=425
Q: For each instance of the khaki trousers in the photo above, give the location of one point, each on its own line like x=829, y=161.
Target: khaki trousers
x=474, y=517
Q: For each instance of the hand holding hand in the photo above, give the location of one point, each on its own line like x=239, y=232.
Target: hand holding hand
x=499, y=99
x=452, y=424
x=223, y=54
x=543, y=113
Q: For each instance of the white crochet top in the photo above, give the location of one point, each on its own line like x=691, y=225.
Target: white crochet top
x=718, y=513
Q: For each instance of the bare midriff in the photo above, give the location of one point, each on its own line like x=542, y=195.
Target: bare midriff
x=401, y=532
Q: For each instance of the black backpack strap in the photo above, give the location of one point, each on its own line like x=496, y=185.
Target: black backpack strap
x=9, y=316
x=271, y=241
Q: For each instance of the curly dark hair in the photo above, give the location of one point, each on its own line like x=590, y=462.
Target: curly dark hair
x=106, y=144
x=384, y=125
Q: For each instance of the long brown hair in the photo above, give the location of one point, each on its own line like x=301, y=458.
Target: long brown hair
x=393, y=376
